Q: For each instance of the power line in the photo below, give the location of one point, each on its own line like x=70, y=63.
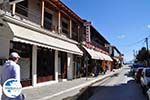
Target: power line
x=135, y=43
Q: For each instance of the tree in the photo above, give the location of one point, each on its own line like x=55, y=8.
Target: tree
x=142, y=55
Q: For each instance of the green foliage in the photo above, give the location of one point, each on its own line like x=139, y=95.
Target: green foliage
x=142, y=54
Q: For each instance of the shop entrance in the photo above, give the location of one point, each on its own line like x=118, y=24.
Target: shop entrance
x=45, y=64
x=62, y=65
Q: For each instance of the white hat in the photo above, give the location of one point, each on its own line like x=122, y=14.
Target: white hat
x=14, y=55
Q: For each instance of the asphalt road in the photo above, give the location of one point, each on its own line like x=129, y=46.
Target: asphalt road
x=121, y=86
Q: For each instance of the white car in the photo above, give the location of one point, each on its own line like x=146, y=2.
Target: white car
x=148, y=94
x=145, y=79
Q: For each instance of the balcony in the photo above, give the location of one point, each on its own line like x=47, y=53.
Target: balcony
x=49, y=20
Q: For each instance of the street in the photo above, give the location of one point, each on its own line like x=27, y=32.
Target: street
x=119, y=87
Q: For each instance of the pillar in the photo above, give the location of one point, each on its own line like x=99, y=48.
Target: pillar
x=70, y=28
x=56, y=65
x=13, y=9
x=59, y=22
x=69, y=66
x=34, y=65
x=42, y=13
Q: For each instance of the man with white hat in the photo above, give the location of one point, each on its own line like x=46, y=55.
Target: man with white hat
x=10, y=70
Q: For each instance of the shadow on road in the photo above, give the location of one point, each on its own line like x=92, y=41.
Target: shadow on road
x=124, y=91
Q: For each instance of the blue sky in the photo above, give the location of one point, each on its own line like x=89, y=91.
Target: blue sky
x=122, y=22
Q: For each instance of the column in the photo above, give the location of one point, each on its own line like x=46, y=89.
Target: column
x=56, y=65
x=70, y=28
x=42, y=13
x=13, y=9
x=69, y=66
x=59, y=22
x=34, y=65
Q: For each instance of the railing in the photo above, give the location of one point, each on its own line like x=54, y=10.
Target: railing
x=33, y=17
x=99, y=46
x=28, y=14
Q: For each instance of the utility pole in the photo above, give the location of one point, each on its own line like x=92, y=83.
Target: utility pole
x=134, y=55
x=146, y=40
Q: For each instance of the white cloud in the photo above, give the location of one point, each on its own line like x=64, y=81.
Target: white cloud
x=121, y=36
x=148, y=26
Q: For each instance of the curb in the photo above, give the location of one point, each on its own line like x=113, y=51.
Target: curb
x=80, y=86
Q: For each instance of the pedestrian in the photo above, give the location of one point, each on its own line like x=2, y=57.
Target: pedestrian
x=11, y=70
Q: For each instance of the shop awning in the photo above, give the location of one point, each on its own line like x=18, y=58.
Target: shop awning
x=30, y=36
x=107, y=57
x=97, y=55
x=94, y=54
x=116, y=59
x=100, y=55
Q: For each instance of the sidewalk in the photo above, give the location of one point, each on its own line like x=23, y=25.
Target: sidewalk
x=54, y=90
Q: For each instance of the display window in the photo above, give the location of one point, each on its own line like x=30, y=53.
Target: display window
x=25, y=61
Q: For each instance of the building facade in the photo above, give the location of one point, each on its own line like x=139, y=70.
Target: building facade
x=46, y=34
x=96, y=54
x=54, y=43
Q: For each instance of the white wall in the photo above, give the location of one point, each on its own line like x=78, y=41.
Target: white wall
x=4, y=47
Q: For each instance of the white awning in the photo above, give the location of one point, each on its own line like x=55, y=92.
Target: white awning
x=92, y=53
x=107, y=57
x=97, y=55
x=30, y=36
x=100, y=55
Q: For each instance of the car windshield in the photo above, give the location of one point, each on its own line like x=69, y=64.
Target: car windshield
x=147, y=73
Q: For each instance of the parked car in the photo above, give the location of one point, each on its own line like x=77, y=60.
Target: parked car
x=145, y=79
x=148, y=94
x=138, y=73
x=135, y=66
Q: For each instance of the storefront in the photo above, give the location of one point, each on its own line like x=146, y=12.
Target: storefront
x=25, y=62
x=97, y=61
x=45, y=64
x=44, y=57
x=76, y=66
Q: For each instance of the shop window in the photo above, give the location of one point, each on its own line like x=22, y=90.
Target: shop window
x=25, y=62
x=22, y=8
x=45, y=64
x=48, y=20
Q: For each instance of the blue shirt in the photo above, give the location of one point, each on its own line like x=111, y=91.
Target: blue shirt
x=10, y=70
